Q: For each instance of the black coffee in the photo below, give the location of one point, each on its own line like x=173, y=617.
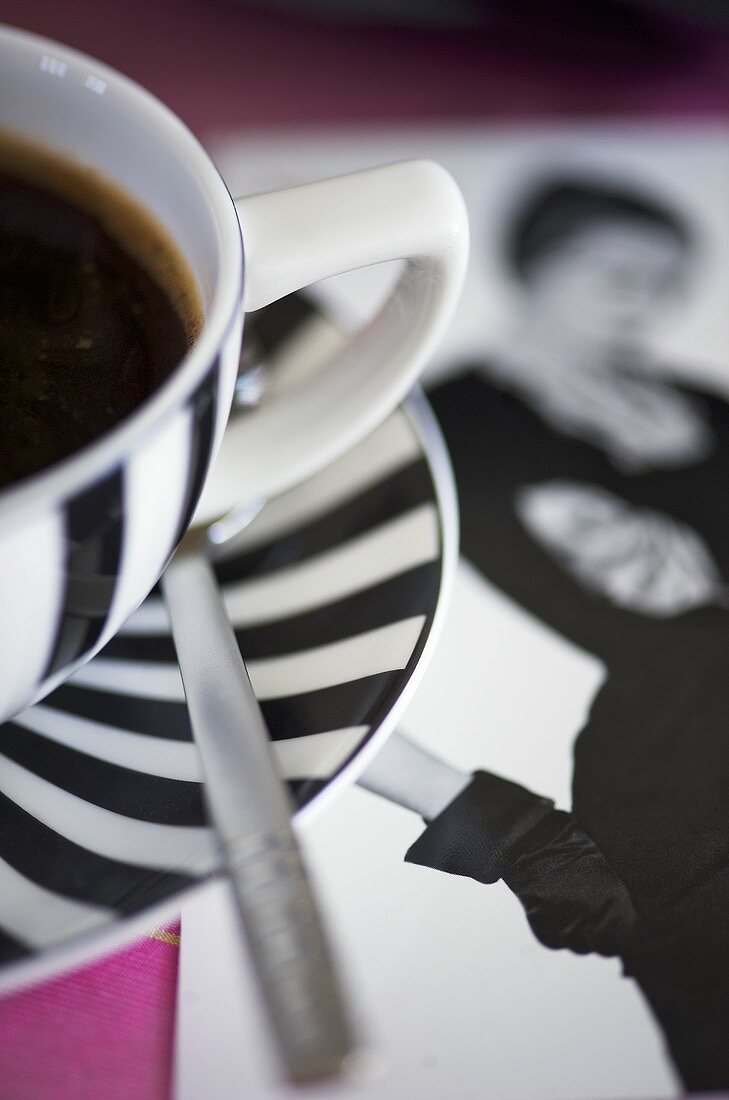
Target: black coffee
x=96, y=308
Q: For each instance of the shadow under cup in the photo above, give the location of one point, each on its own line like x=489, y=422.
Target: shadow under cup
x=83, y=541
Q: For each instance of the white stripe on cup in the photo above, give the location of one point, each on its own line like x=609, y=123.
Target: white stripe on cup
x=384, y=649
x=390, y=448
x=32, y=588
x=317, y=755
x=313, y=755
x=140, y=752
x=403, y=543
x=155, y=481
x=183, y=849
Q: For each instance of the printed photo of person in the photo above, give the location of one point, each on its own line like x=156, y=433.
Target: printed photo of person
x=593, y=493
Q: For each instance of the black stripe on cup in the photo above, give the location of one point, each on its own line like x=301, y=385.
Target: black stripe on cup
x=134, y=794
x=387, y=500
x=93, y=538
x=349, y=703
x=156, y=717
x=400, y=597
x=67, y=868
x=346, y=704
x=11, y=948
x=203, y=406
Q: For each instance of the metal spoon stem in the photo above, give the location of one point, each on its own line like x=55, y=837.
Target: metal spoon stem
x=251, y=812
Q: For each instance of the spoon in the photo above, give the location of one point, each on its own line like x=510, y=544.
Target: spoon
x=251, y=812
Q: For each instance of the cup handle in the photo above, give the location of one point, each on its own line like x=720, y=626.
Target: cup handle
x=297, y=236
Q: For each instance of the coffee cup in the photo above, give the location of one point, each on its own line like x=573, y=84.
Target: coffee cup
x=84, y=540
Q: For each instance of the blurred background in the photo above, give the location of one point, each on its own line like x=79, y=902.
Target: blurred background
x=227, y=63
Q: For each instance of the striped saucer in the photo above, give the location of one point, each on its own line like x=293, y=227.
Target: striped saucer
x=333, y=591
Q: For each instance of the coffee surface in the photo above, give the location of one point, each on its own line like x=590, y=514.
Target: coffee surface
x=86, y=331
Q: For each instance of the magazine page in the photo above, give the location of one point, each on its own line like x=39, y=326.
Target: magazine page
x=528, y=884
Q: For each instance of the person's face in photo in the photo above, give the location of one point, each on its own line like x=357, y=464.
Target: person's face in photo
x=605, y=284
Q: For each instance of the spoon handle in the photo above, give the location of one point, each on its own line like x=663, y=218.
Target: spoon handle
x=251, y=811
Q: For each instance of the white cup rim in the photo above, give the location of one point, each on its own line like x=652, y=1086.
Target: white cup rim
x=64, y=478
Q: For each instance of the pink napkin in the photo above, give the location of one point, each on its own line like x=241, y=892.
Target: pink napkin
x=104, y=1030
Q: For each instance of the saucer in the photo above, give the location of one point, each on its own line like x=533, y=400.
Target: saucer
x=335, y=592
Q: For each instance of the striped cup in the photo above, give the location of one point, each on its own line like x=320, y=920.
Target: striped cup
x=83, y=541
